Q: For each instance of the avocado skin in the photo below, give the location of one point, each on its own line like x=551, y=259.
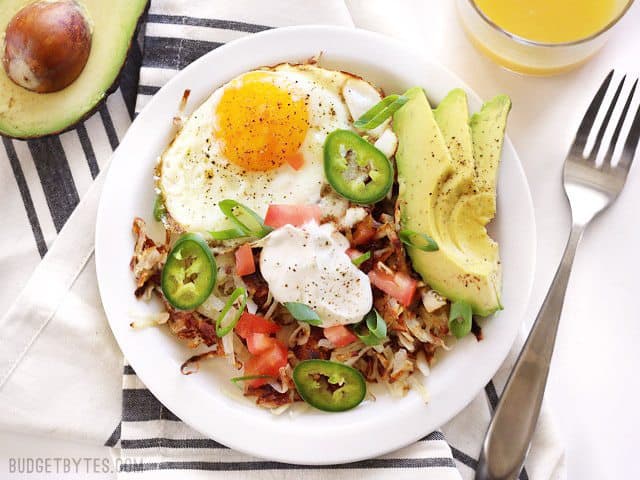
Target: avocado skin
x=93, y=109
x=445, y=193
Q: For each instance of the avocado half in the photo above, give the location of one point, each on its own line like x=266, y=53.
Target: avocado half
x=26, y=114
x=447, y=171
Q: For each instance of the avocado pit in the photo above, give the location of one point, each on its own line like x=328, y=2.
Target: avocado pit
x=46, y=45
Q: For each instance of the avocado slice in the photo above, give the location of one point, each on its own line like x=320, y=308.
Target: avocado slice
x=478, y=209
x=487, y=131
x=26, y=114
x=452, y=117
x=446, y=193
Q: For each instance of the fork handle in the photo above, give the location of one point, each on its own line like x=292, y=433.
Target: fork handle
x=509, y=435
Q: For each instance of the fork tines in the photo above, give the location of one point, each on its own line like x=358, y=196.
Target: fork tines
x=587, y=124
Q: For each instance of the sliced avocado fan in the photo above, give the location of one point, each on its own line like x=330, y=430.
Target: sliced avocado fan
x=447, y=171
x=27, y=114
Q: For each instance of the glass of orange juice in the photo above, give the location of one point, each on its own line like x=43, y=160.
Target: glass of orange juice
x=540, y=37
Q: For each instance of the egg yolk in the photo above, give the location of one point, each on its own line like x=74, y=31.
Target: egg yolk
x=260, y=125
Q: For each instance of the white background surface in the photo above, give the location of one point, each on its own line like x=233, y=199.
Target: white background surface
x=594, y=387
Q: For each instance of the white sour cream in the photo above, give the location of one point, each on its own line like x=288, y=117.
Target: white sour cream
x=309, y=265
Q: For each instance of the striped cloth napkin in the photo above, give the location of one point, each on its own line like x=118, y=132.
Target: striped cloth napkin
x=58, y=321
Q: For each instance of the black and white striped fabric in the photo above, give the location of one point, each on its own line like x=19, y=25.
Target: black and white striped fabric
x=154, y=441
x=42, y=182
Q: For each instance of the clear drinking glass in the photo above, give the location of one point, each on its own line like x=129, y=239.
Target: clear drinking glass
x=527, y=56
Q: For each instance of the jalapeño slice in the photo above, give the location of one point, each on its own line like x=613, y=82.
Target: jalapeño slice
x=189, y=275
x=329, y=386
x=356, y=169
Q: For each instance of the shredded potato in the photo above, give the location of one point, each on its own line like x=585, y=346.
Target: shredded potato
x=150, y=320
x=401, y=361
x=300, y=335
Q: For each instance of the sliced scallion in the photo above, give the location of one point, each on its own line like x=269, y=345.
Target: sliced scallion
x=407, y=237
x=222, y=330
x=361, y=259
x=229, y=234
x=376, y=329
x=382, y=110
x=376, y=324
x=368, y=338
x=258, y=229
x=303, y=313
x=159, y=210
x=460, y=318
x=247, y=378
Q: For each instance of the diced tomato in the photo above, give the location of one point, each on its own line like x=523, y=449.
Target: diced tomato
x=296, y=215
x=364, y=232
x=340, y=335
x=296, y=161
x=258, y=343
x=268, y=362
x=353, y=253
x=399, y=285
x=250, y=323
x=244, y=260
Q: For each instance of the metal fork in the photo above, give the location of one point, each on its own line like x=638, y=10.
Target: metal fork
x=590, y=188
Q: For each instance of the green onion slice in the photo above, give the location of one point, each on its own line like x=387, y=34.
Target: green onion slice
x=361, y=259
x=222, y=330
x=159, y=210
x=368, y=338
x=429, y=244
x=460, y=317
x=303, y=313
x=247, y=378
x=227, y=234
x=258, y=228
x=376, y=324
x=377, y=329
x=380, y=112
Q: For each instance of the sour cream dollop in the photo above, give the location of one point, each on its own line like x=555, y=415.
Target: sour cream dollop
x=309, y=265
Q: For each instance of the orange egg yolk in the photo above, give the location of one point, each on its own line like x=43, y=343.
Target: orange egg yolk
x=260, y=125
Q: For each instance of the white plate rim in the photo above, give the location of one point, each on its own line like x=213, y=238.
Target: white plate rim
x=350, y=440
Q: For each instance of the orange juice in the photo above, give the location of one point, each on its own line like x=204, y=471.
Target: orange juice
x=550, y=21
x=540, y=37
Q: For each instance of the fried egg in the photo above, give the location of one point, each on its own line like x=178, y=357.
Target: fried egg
x=258, y=140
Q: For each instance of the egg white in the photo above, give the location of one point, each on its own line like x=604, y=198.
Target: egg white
x=194, y=175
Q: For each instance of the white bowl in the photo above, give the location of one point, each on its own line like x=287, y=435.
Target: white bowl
x=202, y=400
